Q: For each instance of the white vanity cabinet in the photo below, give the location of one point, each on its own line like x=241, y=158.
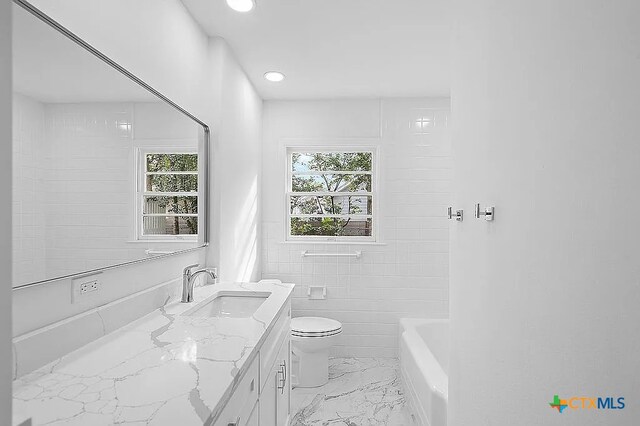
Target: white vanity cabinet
x=275, y=375
x=262, y=398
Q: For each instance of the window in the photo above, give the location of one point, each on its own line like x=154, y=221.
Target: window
x=330, y=194
x=167, y=195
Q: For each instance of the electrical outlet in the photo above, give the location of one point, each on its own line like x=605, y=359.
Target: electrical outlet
x=89, y=286
x=83, y=286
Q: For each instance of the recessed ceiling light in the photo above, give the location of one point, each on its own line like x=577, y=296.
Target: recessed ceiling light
x=274, y=76
x=241, y=5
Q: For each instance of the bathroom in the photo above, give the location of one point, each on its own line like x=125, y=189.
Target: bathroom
x=477, y=269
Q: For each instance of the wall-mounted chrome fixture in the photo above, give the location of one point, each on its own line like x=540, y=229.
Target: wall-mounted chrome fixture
x=458, y=215
x=151, y=252
x=356, y=254
x=488, y=212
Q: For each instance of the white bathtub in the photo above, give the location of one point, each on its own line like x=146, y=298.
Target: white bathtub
x=424, y=364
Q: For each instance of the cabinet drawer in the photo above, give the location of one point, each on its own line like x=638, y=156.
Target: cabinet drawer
x=269, y=350
x=244, y=397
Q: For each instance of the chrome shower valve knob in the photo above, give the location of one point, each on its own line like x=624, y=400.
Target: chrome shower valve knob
x=458, y=214
x=488, y=212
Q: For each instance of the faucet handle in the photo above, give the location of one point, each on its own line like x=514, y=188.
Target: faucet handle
x=187, y=270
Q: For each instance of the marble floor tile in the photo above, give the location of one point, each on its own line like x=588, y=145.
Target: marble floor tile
x=360, y=392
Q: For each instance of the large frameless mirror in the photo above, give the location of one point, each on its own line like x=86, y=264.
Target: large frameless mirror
x=106, y=170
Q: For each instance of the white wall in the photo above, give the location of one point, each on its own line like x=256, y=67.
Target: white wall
x=545, y=299
x=5, y=214
x=407, y=276
x=236, y=159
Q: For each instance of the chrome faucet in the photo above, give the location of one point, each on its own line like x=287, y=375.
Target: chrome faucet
x=188, y=278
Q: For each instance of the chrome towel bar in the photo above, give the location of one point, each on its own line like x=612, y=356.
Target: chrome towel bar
x=158, y=252
x=357, y=254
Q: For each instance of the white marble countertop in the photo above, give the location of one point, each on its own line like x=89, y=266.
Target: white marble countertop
x=163, y=369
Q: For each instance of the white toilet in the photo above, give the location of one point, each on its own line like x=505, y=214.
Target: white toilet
x=311, y=339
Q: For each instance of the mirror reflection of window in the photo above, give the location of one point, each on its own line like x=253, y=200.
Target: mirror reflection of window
x=170, y=195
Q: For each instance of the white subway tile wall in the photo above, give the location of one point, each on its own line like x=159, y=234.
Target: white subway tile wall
x=89, y=186
x=407, y=274
x=28, y=174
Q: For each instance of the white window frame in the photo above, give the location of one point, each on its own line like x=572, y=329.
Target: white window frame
x=374, y=216
x=140, y=193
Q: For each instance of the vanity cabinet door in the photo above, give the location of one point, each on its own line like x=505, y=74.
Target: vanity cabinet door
x=275, y=397
x=268, y=400
x=283, y=394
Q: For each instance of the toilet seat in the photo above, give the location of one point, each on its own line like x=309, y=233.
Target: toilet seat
x=315, y=327
x=298, y=334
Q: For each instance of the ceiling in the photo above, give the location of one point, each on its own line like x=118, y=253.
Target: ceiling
x=50, y=68
x=337, y=48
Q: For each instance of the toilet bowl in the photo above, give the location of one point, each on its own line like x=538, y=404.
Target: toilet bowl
x=311, y=340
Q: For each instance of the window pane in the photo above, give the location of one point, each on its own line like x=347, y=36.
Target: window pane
x=172, y=162
x=172, y=183
x=331, y=183
x=331, y=227
x=331, y=161
x=161, y=225
x=173, y=205
x=339, y=204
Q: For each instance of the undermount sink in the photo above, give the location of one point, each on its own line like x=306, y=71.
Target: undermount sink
x=231, y=304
